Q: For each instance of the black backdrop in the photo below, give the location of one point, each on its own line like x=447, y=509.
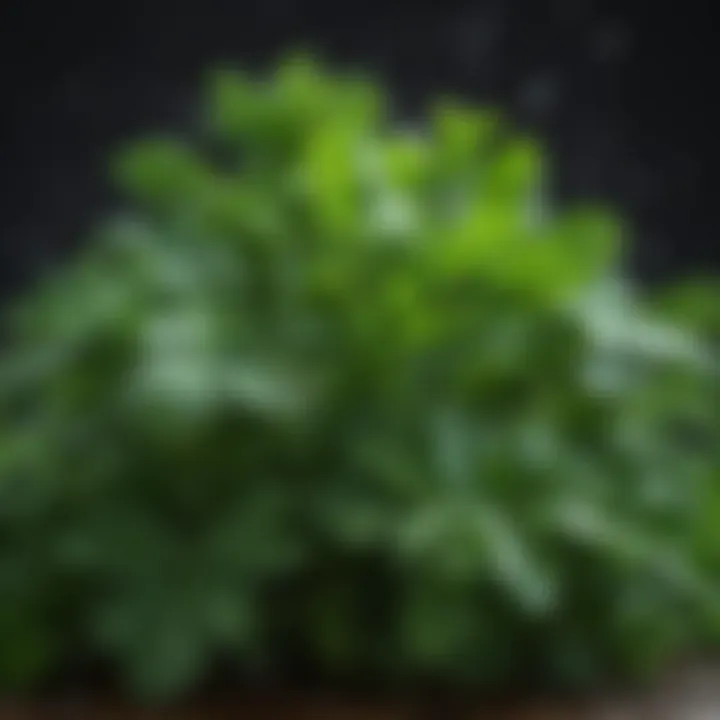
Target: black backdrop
x=622, y=91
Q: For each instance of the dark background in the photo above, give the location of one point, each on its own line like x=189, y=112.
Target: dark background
x=623, y=92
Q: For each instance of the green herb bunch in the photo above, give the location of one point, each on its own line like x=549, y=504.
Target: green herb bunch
x=356, y=398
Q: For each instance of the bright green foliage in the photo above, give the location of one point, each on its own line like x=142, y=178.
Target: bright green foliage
x=356, y=397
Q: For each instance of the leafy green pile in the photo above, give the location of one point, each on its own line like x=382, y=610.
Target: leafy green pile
x=357, y=398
